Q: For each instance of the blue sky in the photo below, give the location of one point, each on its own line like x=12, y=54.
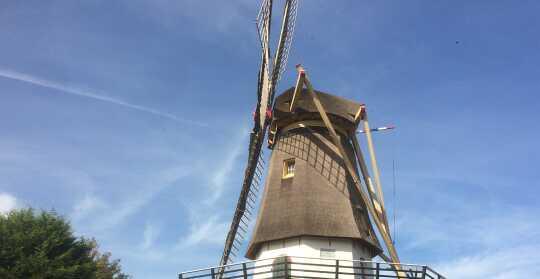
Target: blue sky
x=131, y=119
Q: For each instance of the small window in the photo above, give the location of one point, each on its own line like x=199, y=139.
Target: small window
x=328, y=253
x=288, y=168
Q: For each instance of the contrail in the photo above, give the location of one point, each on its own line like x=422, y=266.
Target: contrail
x=82, y=93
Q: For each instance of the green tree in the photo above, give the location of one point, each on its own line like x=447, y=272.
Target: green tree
x=42, y=245
x=106, y=267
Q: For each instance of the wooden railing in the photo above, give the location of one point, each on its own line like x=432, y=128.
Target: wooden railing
x=312, y=268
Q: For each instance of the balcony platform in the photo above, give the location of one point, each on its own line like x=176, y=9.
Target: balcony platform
x=312, y=268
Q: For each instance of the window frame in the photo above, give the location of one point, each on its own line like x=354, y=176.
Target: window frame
x=286, y=164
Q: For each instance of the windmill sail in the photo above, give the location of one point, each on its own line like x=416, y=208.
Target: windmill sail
x=285, y=40
x=264, y=20
x=269, y=75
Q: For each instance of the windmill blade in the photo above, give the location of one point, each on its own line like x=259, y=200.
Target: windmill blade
x=272, y=72
x=265, y=92
x=256, y=137
x=264, y=21
x=285, y=40
x=269, y=74
x=238, y=222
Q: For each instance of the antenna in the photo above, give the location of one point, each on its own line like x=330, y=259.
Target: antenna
x=394, y=199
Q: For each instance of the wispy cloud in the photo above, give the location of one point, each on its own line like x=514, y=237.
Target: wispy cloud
x=209, y=231
x=472, y=227
x=7, y=203
x=86, y=206
x=495, y=243
x=226, y=17
x=222, y=173
x=512, y=263
x=104, y=215
x=74, y=90
x=150, y=234
x=207, y=227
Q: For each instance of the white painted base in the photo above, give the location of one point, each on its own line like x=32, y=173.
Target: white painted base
x=314, y=247
x=323, y=250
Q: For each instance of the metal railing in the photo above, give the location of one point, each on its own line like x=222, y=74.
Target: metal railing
x=313, y=268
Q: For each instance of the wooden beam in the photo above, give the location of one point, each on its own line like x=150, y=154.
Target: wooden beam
x=380, y=226
x=281, y=43
x=266, y=90
x=395, y=266
x=374, y=167
x=297, y=91
x=309, y=123
x=359, y=115
x=376, y=200
x=314, y=123
x=362, y=163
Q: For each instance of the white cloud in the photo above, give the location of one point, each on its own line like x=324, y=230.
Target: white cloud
x=207, y=227
x=224, y=16
x=7, y=203
x=485, y=243
x=210, y=231
x=222, y=172
x=73, y=90
x=99, y=215
x=86, y=206
x=150, y=234
x=472, y=227
x=510, y=263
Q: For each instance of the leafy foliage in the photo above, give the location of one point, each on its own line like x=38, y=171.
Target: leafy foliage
x=42, y=245
x=106, y=268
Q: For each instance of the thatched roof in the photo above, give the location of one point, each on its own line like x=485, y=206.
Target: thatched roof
x=320, y=200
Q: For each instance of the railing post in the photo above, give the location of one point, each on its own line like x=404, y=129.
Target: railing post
x=244, y=270
x=286, y=268
x=286, y=262
x=337, y=269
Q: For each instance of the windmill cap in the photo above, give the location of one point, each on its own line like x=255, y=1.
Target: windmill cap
x=339, y=109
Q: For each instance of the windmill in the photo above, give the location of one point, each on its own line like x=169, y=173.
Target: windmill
x=270, y=72
x=319, y=185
